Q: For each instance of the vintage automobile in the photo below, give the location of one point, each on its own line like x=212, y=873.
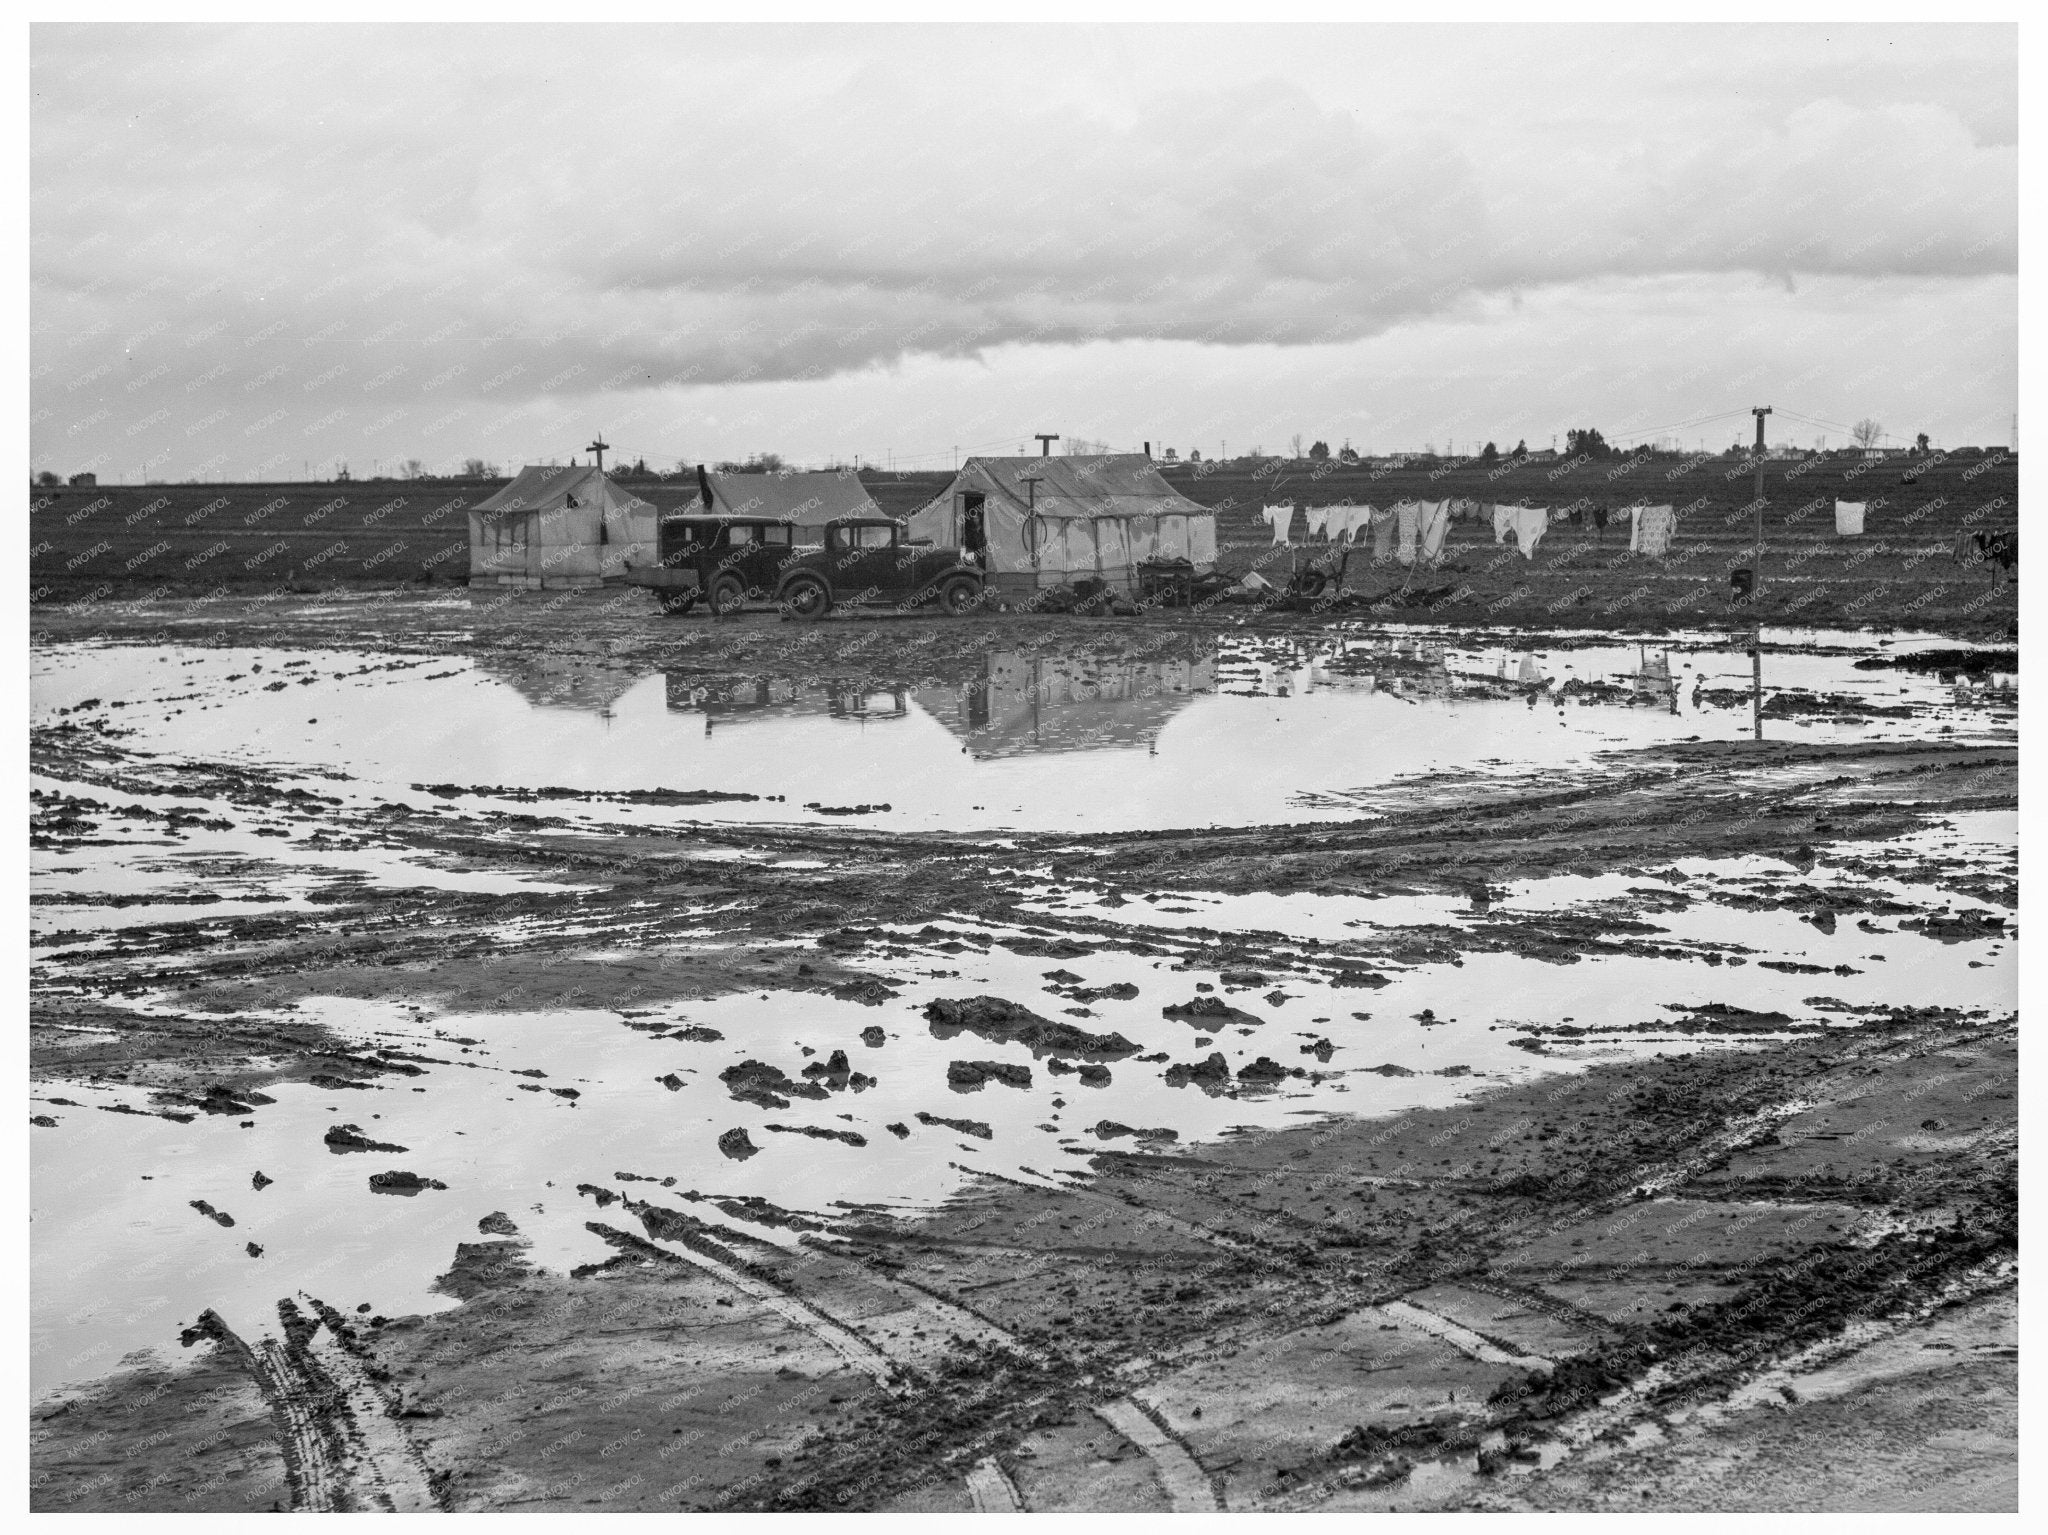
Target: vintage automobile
x=729, y=564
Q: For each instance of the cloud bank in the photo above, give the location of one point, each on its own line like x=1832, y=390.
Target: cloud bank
x=308, y=230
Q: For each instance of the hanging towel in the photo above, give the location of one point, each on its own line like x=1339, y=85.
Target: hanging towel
x=1503, y=519
x=1410, y=515
x=1281, y=518
x=1436, y=521
x=1849, y=518
x=1650, y=529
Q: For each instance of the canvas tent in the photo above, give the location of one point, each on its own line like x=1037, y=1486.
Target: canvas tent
x=1098, y=516
x=808, y=501
x=550, y=527
x=1025, y=704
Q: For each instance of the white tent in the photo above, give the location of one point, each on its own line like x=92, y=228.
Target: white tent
x=559, y=527
x=1047, y=521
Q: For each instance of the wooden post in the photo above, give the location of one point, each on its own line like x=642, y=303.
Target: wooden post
x=1756, y=586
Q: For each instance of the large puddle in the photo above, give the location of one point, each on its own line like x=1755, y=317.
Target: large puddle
x=1238, y=732
x=513, y=1111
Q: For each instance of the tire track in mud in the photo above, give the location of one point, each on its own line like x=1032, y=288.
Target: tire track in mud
x=343, y=1449
x=1473, y=1345
x=990, y=1489
x=311, y=1465
x=844, y=1341
x=1605, y=1429
x=386, y=1469
x=1188, y=1487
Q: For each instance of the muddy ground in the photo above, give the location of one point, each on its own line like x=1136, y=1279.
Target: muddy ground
x=1769, y=1264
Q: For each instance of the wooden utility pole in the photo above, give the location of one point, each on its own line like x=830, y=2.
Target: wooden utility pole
x=598, y=447
x=1756, y=585
x=1045, y=442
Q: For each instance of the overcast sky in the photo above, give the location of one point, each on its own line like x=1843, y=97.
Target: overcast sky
x=254, y=250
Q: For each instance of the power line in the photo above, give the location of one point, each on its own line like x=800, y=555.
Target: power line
x=1679, y=426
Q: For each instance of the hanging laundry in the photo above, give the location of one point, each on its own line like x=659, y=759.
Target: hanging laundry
x=1600, y=518
x=1383, y=524
x=1436, y=522
x=1315, y=519
x=1849, y=518
x=1650, y=529
x=1527, y=523
x=1529, y=672
x=1410, y=515
x=1359, y=522
x=1281, y=518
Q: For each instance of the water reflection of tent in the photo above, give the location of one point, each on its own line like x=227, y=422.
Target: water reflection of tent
x=1029, y=704
x=561, y=681
x=1406, y=668
x=1653, y=681
x=729, y=700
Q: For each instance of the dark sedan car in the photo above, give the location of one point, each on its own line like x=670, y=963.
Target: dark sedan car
x=729, y=564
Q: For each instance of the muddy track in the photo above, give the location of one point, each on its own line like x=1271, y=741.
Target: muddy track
x=344, y=1450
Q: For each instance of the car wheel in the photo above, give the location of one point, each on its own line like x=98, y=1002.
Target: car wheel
x=960, y=595
x=677, y=603
x=807, y=598
x=728, y=596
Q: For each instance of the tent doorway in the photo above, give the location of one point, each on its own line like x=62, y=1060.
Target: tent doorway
x=974, y=525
